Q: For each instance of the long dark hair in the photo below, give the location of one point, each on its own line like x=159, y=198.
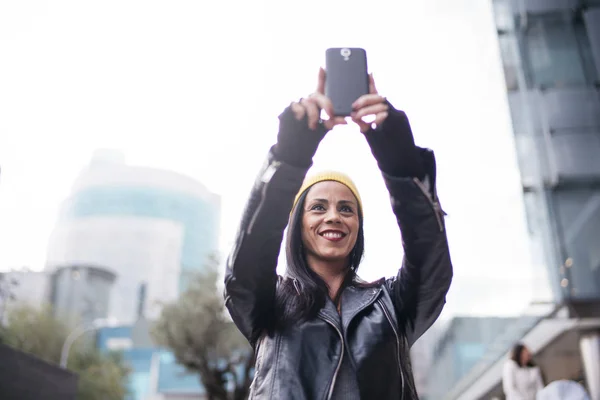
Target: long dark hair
x=515, y=355
x=302, y=293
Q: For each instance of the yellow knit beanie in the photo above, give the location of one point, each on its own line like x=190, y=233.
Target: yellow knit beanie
x=329, y=176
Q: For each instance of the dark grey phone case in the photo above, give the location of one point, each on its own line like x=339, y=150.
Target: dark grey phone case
x=347, y=77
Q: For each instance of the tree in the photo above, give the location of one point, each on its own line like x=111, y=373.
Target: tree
x=38, y=332
x=204, y=340
x=101, y=376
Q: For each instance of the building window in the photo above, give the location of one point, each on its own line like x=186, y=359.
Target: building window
x=508, y=49
x=556, y=51
x=503, y=15
x=579, y=228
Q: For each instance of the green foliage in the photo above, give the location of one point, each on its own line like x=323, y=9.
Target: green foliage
x=38, y=332
x=101, y=376
x=34, y=331
x=198, y=330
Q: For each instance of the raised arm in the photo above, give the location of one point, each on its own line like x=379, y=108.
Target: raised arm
x=250, y=276
x=422, y=283
x=419, y=290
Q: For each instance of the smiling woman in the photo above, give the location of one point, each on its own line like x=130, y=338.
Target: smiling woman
x=320, y=332
x=324, y=245
x=329, y=226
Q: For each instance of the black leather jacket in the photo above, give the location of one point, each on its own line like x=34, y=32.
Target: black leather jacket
x=381, y=321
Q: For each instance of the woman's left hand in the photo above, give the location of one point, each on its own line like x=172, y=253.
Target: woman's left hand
x=371, y=109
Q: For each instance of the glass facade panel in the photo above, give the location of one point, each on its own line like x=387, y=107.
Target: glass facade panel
x=532, y=158
x=591, y=17
x=570, y=109
x=579, y=223
x=587, y=54
x=554, y=48
x=508, y=49
x=577, y=154
x=503, y=15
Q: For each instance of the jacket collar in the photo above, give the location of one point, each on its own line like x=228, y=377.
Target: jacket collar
x=354, y=300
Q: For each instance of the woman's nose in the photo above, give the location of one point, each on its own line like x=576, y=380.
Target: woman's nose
x=332, y=216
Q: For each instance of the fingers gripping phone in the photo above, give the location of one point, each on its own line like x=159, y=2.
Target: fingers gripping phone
x=347, y=78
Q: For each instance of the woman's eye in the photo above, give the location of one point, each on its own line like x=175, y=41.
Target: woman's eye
x=346, y=209
x=317, y=207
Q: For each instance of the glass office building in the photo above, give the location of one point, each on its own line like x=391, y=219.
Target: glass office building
x=149, y=227
x=550, y=53
x=551, y=57
x=147, y=230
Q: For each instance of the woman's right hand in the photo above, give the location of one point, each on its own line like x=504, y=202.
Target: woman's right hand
x=313, y=105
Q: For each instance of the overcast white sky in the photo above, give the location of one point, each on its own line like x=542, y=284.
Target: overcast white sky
x=196, y=87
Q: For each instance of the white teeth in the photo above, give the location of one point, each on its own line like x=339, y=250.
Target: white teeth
x=332, y=235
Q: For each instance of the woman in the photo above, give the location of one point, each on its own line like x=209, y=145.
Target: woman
x=521, y=378
x=320, y=332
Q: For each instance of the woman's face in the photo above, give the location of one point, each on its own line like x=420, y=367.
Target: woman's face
x=330, y=222
x=525, y=356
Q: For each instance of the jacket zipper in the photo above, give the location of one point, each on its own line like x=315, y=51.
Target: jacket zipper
x=266, y=178
x=437, y=210
x=337, y=369
x=387, y=315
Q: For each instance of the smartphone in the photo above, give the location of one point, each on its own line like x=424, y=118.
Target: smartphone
x=347, y=78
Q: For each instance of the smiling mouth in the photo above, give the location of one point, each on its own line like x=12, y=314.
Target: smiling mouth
x=333, y=235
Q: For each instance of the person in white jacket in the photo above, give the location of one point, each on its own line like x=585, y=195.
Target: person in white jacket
x=521, y=378
x=563, y=390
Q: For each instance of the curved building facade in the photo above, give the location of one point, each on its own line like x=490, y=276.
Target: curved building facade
x=148, y=226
